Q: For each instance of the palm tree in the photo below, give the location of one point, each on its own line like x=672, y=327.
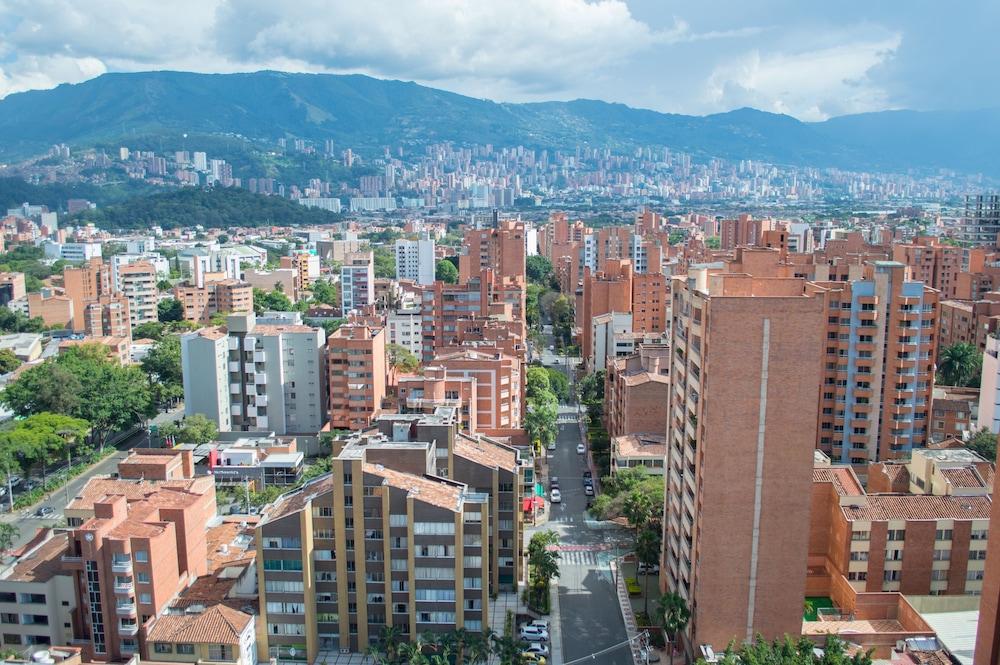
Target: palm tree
x=478, y=649
x=959, y=365
x=672, y=614
x=390, y=641
x=647, y=550
x=456, y=642
x=506, y=648
x=374, y=651
x=638, y=508
x=412, y=653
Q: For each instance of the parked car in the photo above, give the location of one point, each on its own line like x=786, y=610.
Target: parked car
x=534, y=634
x=532, y=658
x=537, y=623
x=649, y=655
x=554, y=481
x=588, y=490
x=552, y=446
x=536, y=648
x=580, y=449
x=647, y=569
x=15, y=480
x=588, y=474
x=44, y=511
x=587, y=482
x=555, y=496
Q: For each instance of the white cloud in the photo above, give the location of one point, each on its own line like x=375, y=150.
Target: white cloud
x=810, y=85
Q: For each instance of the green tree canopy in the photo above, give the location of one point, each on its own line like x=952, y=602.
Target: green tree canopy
x=538, y=269
x=326, y=293
x=960, y=365
x=713, y=242
x=192, y=429
x=559, y=384
x=984, y=443
x=385, y=261
x=169, y=310
x=792, y=651
x=8, y=361
x=150, y=330
x=163, y=366
x=401, y=358
x=541, y=420
x=537, y=383
x=445, y=271
x=270, y=301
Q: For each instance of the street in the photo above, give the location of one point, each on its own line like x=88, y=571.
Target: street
x=590, y=618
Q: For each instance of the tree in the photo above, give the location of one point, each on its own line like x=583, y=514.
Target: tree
x=960, y=365
x=445, y=271
x=222, y=239
x=192, y=429
x=169, y=310
x=647, y=551
x=984, y=444
x=43, y=437
x=672, y=614
x=163, y=366
x=538, y=269
x=270, y=301
x=385, y=261
x=638, y=509
x=561, y=314
x=559, y=384
x=150, y=330
x=541, y=420
x=164, y=285
x=792, y=651
x=8, y=535
x=326, y=293
x=44, y=387
x=713, y=242
x=8, y=361
x=401, y=358
x=592, y=388
x=537, y=383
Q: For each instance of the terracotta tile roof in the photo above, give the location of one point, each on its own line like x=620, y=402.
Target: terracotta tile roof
x=842, y=479
x=485, y=452
x=224, y=548
x=962, y=476
x=641, y=378
x=268, y=329
x=639, y=445
x=98, y=488
x=212, y=332
x=216, y=625
x=863, y=626
x=434, y=492
x=41, y=563
x=881, y=507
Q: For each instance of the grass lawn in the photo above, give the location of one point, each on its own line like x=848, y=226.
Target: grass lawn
x=816, y=603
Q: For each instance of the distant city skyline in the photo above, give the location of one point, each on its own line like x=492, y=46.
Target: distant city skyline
x=809, y=61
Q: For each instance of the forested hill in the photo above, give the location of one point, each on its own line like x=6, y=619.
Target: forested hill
x=216, y=207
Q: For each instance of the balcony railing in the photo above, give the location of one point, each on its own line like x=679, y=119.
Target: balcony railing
x=128, y=629
x=124, y=587
x=127, y=610
x=121, y=566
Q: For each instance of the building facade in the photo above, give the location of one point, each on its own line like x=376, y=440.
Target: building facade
x=415, y=261
x=356, y=362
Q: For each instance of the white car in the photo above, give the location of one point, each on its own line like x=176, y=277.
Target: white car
x=647, y=569
x=580, y=449
x=536, y=648
x=534, y=634
x=537, y=623
x=552, y=446
x=555, y=496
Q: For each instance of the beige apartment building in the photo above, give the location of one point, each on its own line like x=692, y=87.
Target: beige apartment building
x=201, y=303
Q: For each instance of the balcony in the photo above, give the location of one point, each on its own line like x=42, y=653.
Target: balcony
x=71, y=562
x=259, y=379
x=125, y=610
x=425, y=402
x=234, y=366
x=124, y=587
x=128, y=629
x=121, y=566
x=260, y=400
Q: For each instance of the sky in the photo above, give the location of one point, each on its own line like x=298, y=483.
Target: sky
x=812, y=60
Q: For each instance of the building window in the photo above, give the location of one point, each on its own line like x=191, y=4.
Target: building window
x=185, y=649
x=142, y=578
x=163, y=647
x=942, y=534
x=145, y=598
x=942, y=555
x=141, y=556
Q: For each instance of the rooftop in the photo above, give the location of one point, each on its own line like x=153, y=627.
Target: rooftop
x=842, y=478
x=297, y=499
x=434, y=491
x=135, y=490
x=41, y=563
x=485, y=452
x=881, y=507
x=640, y=445
x=217, y=625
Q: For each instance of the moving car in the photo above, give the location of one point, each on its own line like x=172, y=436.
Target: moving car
x=534, y=634
x=555, y=496
x=44, y=511
x=536, y=648
x=580, y=449
x=588, y=490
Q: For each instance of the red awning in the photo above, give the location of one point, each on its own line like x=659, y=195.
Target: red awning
x=534, y=502
x=526, y=505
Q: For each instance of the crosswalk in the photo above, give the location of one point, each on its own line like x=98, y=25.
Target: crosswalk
x=585, y=558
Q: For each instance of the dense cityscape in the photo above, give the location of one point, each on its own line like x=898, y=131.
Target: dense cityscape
x=497, y=334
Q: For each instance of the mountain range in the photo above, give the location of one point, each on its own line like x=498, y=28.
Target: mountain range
x=361, y=112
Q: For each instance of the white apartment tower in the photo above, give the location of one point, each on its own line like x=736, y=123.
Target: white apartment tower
x=415, y=260
x=357, y=281
x=254, y=377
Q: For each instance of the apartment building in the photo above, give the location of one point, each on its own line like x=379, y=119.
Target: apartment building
x=987, y=649
x=51, y=307
x=499, y=389
x=434, y=388
x=501, y=249
x=636, y=387
x=610, y=337
x=603, y=292
x=650, y=302
x=740, y=437
x=246, y=376
x=742, y=231
x=138, y=285
x=306, y=267
x=107, y=316
x=929, y=261
x=955, y=412
x=37, y=597
x=645, y=449
x=920, y=530
x=201, y=303
x=980, y=224
x=356, y=362
x=219, y=634
x=404, y=329
x=132, y=556
x=357, y=279
x=280, y=279
x=415, y=261
x=880, y=346
x=989, y=387
x=12, y=286
x=380, y=541
x=969, y=321
x=443, y=305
